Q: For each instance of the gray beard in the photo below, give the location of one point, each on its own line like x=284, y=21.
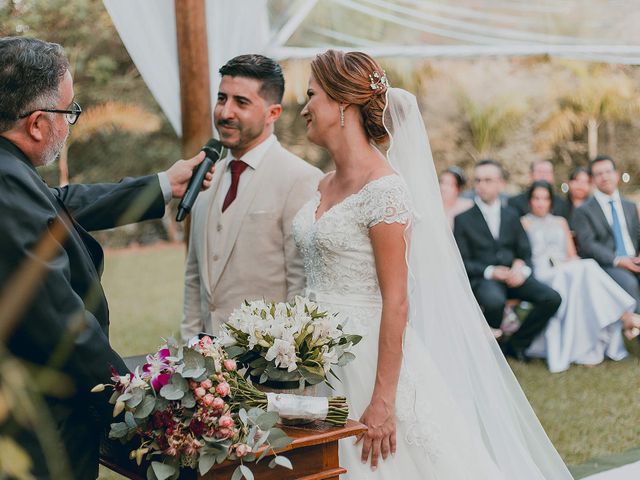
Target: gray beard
x=52, y=153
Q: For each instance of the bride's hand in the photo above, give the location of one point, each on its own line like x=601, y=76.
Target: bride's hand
x=380, y=437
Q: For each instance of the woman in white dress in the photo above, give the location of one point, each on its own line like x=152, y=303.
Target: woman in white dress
x=439, y=399
x=587, y=326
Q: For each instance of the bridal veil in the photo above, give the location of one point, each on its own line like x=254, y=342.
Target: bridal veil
x=444, y=312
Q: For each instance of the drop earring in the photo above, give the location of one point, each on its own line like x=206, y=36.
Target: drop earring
x=341, y=116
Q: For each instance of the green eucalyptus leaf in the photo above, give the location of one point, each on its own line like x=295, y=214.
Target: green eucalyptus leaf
x=282, y=461
x=118, y=430
x=248, y=474
x=171, y=392
x=136, y=398
x=234, y=351
x=125, y=396
x=146, y=407
x=244, y=417
x=205, y=462
x=163, y=470
x=237, y=474
x=263, y=438
x=129, y=420
x=267, y=420
x=188, y=401
x=278, y=439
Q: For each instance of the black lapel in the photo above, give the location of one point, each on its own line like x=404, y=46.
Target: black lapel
x=599, y=215
x=504, y=214
x=484, y=227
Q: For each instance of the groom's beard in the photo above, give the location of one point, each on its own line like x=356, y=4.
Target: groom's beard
x=246, y=134
x=52, y=152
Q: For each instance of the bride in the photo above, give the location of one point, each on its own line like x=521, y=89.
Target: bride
x=429, y=381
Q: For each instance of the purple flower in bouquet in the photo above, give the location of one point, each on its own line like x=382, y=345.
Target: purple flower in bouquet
x=158, y=369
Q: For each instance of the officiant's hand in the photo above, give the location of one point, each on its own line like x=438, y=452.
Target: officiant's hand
x=380, y=437
x=181, y=172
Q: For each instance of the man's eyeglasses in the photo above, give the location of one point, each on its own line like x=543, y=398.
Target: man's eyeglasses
x=71, y=115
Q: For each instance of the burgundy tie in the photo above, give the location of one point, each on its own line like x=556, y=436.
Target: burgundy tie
x=237, y=167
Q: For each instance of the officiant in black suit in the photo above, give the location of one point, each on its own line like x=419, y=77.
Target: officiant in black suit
x=540, y=170
x=497, y=257
x=607, y=228
x=53, y=311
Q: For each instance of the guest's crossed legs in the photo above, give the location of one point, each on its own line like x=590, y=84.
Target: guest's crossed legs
x=630, y=282
x=492, y=296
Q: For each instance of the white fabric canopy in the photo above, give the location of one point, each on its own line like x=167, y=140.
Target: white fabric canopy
x=148, y=31
x=598, y=30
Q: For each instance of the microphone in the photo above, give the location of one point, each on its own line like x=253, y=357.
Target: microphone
x=213, y=151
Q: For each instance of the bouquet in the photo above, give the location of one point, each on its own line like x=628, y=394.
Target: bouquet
x=181, y=407
x=189, y=407
x=287, y=342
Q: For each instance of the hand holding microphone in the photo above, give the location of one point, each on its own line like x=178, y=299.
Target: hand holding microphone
x=198, y=180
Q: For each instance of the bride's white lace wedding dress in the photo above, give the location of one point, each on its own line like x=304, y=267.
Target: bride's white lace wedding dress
x=433, y=441
x=461, y=412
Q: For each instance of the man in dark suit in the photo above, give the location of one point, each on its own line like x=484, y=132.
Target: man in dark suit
x=607, y=228
x=53, y=312
x=540, y=170
x=497, y=257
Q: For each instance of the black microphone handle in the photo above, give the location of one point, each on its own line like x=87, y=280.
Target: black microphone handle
x=196, y=181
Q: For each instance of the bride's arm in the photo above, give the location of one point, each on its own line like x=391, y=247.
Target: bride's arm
x=389, y=250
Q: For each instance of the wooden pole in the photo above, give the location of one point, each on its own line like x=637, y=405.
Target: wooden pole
x=195, y=95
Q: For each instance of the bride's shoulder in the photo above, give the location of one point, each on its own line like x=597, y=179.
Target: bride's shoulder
x=386, y=181
x=386, y=199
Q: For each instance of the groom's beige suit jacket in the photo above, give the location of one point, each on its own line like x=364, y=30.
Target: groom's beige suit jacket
x=247, y=252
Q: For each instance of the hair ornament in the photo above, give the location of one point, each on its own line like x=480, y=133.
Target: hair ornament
x=378, y=80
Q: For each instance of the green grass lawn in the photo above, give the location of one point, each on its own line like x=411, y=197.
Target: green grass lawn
x=587, y=412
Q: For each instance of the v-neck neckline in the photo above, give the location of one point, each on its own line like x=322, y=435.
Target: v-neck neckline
x=316, y=219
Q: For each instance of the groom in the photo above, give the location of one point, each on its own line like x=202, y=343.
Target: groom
x=241, y=245
x=497, y=257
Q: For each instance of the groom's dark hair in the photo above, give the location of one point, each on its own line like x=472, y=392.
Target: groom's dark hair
x=261, y=68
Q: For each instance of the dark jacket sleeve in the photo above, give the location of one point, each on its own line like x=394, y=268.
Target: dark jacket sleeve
x=523, y=246
x=475, y=267
x=588, y=245
x=52, y=327
x=519, y=204
x=107, y=205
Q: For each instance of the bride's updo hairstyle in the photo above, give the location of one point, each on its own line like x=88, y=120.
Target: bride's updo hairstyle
x=350, y=78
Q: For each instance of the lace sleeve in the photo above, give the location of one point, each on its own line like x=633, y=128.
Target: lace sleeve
x=386, y=200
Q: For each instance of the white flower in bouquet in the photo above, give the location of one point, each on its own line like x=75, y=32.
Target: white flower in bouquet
x=326, y=328
x=287, y=342
x=329, y=358
x=284, y=355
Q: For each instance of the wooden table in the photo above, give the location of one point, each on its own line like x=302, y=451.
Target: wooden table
x=313, y=452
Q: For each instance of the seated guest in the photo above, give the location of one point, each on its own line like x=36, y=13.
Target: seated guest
x=540, y=170
x=586, y=327
x=451, y=183
x=607, y=228
x=579, y=188
x=497, y=257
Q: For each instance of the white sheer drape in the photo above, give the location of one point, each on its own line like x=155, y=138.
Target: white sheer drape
x=148, y=31
x=597, y=30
